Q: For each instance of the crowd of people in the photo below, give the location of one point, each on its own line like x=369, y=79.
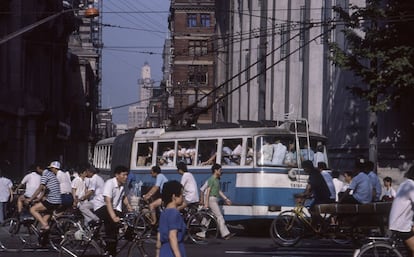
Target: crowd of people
x=362, y=186
x=51, y=190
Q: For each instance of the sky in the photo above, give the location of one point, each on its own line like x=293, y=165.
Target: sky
x=134, y=32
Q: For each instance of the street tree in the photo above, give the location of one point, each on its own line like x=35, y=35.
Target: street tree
x=379, y=51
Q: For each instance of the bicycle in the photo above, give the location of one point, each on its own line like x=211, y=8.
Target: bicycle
x=200, y=221
x=88, y=240
x=290, y=226
x=381, y=247
x=33, y=237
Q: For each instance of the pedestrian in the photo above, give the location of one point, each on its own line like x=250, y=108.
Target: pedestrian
x=49, y=186
x=6, y=194
x=110, y=207
x=171, y=229
x=189, y=184
x=402, y=211
x=212, y=195
x=31, y=181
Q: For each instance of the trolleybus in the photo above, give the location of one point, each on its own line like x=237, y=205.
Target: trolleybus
x=261, y=166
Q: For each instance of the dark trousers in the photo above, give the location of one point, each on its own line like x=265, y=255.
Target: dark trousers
x=111, y=229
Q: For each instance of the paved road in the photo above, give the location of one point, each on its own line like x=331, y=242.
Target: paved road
x=237, y=246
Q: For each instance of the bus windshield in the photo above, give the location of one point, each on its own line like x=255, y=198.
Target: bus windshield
x=281, y=151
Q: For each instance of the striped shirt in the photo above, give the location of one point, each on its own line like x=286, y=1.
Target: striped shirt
x=53, y=187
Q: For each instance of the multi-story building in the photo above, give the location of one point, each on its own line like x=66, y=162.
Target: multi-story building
x=271, y=62
x=192, y=25
x=47, y=92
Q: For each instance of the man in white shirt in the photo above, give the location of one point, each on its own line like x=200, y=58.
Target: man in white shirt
x=279, y=153
x=79, y=187
x=65, y=185
x=189, y=185
x=94, y=187
x=31, y=181
x=111, y=206
x=6, y=194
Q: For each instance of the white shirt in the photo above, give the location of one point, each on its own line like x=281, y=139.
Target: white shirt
x=115, y=192
x=402, y=212
x=267, y=152
x=318, y=157
x=5, y=186
x=32, y=182
x=95, y=184
x=190, y=188
x=79, y=185
x=338, y=186
x=279, y=152
x=64, y=182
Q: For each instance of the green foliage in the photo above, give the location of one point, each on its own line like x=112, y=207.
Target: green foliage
x=377, y=50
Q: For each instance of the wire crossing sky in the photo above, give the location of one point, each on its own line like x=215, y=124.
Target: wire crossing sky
x=143, y=25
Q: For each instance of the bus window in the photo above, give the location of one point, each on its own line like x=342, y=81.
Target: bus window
x=186, y=152
x=231, y=151
x=165, y=154
x=207, y=150
x=273, y=150
x=249, y=152
x=144, y=154
x=306, y=151
x=264, y=151
x=291, y=159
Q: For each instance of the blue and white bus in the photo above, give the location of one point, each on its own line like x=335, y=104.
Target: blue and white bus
x=261, y=165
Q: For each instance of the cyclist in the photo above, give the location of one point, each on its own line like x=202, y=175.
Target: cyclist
x=110, y=206
x=31, y=181
x=155, y=191
x=189, y=185
x=94, y=186
x=402, y=211
x=318, y=189
x=49, y=183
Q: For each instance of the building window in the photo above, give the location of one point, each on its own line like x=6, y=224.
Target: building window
x=205, y=20
x=197, y=47
x=197, y=74
x=191, y=20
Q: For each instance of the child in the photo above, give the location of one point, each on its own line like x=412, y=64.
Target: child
x=388, y=192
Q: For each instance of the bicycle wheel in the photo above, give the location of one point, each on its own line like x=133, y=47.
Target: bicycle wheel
x=58, y=228
x=11, y=225
x=77, y=242
x=378, y=249
x=142, y=224
x=202, y=227
x=286, y=229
